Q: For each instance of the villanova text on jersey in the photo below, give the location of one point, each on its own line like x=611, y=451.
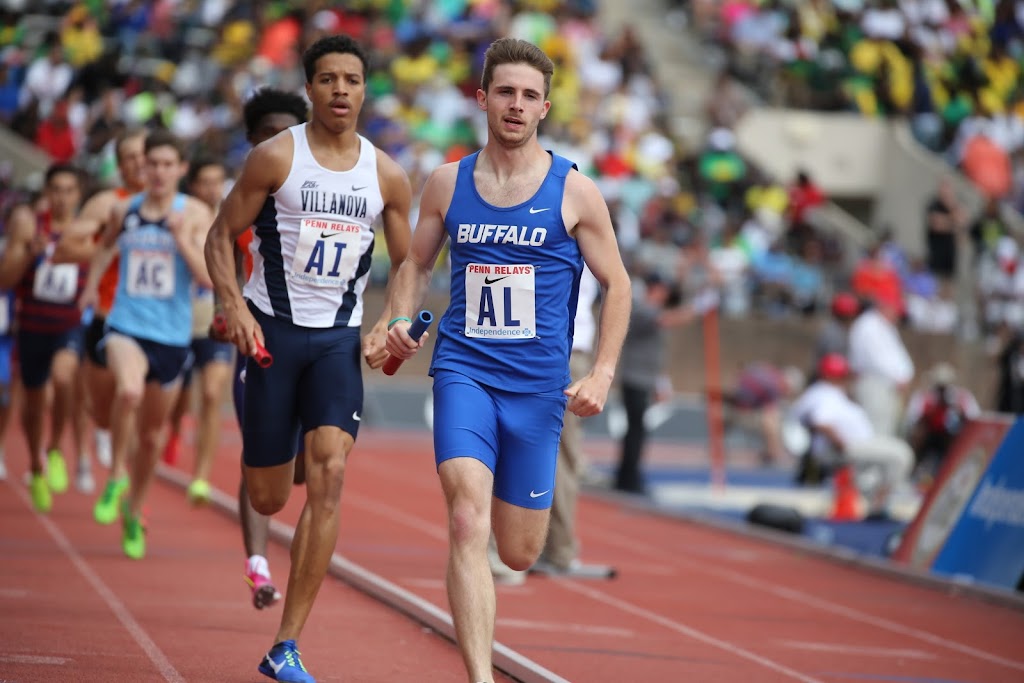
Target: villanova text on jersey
x=320, y=201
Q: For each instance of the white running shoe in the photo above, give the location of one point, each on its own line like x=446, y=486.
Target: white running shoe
x=104, y=454
x=84, y=483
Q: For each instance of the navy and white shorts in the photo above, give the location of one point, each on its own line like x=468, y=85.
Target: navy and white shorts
x=316, y=380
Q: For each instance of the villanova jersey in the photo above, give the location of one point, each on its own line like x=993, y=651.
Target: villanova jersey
x=515, y=282
x=312, y=245
x=48, y=292
x=154, y=288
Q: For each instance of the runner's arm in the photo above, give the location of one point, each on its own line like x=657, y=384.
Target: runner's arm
x=413, y=277
x=599, y=247
x=264, y=170
x=20, y=250
x=395, y=218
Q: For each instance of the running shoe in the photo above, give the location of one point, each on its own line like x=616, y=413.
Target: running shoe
x=172, y=449
x=42, y=501
x=84, y=482
x=198, y=492
x=264, y=592
x=283, y=663
x=133, y=540
x=104, y=451
x=106, y=508
x=56, y=471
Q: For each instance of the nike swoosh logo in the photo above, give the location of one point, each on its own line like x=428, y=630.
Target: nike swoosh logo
x=537, y=495
x=275, y=666
x=355, y=416
x=328, y=235
x=356, y=189
x=491, y=281
x=533, y=210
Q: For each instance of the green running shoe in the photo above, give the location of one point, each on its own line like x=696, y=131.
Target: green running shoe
x=42, y=501
x=106, y=508
x=134, y=538
x=56, y=471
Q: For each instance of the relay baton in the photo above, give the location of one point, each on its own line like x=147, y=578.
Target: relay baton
x=219, y=327
x=416, y=330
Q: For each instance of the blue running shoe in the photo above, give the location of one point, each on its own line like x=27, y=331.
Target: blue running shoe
x=283, y=663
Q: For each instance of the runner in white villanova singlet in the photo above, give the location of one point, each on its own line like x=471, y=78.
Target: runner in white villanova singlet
x=312, y=194
x=314, y=240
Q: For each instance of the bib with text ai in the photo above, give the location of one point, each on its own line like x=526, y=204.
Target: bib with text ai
x=327, y=252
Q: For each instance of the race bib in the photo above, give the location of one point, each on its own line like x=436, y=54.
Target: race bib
x=56, y=283
x=150, y=274
x=5, y=313
x=500, y=302
x=327, y=252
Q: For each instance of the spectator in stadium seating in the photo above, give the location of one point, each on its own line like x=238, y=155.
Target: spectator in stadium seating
x=834, y=336
x=874, y=277
x=936, y=414
x=842, y=434
x=804, y=196
x=1010, y=395
x=988, y=229
x=945, y=222
x=882, y=364
x=761, y=392
x=1001, y=286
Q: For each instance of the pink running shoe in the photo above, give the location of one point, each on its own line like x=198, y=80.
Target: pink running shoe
x=264, y=592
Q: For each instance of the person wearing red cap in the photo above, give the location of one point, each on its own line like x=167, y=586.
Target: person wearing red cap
x=881, y=362
x=842, y=433
x=834, y=336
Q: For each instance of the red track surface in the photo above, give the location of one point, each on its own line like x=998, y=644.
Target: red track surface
x=691, y=603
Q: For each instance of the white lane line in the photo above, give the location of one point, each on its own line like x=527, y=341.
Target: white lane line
x=784, y=592
x=690, y=632
x=858, y=650
x=397, y=515
x=33, y=660
x=808, y=600
x=133, y=627
x=553, y=627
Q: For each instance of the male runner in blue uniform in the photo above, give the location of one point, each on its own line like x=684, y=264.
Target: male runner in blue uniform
x=522, y=221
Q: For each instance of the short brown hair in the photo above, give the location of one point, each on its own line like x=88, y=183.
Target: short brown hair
x=164, y=138
x=515, y=51
x=126, y=135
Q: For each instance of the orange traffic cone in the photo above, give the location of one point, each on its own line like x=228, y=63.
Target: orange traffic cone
x=846, y=504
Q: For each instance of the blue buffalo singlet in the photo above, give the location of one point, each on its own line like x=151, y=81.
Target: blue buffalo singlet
x=515, y=281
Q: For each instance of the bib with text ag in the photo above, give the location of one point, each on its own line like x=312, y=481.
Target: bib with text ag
x=327, y=252
x=500, y=301
x=150, y=274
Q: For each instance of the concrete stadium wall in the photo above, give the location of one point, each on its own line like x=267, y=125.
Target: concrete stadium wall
x=29, y=163
x=855, y=157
